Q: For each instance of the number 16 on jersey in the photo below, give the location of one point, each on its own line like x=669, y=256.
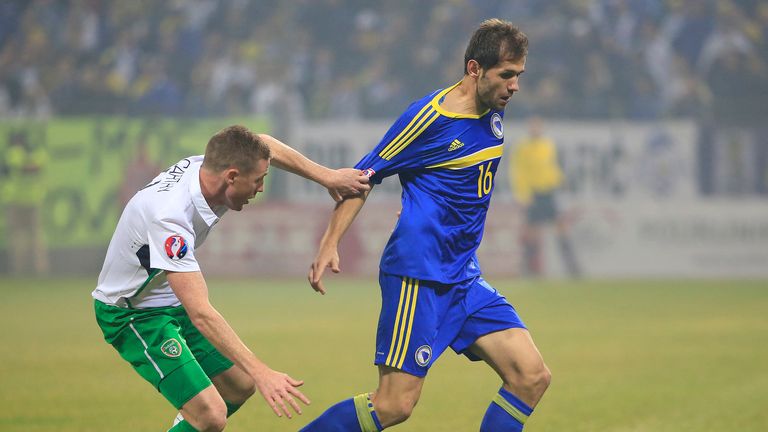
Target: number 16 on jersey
x=484, y=180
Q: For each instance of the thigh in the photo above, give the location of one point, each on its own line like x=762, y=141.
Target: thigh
x=488, y=312
x=416, y=323
x=514, y=356
x=234, y=385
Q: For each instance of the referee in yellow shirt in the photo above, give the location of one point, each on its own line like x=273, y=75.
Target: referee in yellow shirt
x=536, y=176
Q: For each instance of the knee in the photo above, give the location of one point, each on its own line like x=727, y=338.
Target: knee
x=212, y=418
x=532, y=382
x=392, y=411
x=244, y=390
x=537, y=381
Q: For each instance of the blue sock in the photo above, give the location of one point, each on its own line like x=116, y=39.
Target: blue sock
x=506, y=413
x=355, y=414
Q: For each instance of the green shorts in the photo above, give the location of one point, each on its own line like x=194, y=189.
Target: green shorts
x=164, y=347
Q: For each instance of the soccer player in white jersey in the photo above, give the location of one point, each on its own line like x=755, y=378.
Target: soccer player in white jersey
x=151, y=301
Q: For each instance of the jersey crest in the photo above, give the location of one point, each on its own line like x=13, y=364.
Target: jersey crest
x=497, y=126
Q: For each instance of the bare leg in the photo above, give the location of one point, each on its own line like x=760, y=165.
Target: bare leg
x=396, y=396
x=514, y=356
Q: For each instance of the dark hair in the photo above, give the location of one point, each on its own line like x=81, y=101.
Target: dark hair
x=494, y=40
x=234, y=146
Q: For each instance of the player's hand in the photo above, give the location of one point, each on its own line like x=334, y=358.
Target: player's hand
x=346, y=182
x=279, y=390
x=326, y=257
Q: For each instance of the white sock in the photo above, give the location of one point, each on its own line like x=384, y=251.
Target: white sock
x=179, y=418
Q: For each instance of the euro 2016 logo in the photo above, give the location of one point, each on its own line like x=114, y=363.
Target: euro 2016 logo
x=175, y=247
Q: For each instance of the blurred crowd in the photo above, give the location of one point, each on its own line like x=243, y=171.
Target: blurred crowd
x=627, y=59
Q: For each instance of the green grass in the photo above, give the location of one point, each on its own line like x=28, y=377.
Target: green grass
x=635, y=356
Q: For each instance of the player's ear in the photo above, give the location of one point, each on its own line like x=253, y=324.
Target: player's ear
x=473, y=68
x=230, y=174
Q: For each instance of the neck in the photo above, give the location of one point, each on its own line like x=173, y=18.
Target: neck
x=212, y=186
x=463, y=98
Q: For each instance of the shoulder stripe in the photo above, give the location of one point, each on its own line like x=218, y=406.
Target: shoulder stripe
x=473, y=159
x=423, y=119
x=405, y=130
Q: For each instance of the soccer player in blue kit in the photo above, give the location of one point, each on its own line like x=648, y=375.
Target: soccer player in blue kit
x=446, y=149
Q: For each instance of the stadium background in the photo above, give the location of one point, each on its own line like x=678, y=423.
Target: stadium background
x=657, y=107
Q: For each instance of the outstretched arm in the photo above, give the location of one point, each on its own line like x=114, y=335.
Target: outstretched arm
x=328, y=255
x=277, y=388
x=346, y=182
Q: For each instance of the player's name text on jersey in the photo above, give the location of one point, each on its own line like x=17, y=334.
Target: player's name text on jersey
x=173, y=175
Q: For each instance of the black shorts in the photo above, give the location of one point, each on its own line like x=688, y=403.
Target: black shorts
x=543, y=209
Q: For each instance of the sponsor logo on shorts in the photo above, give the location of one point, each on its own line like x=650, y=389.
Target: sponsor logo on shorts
x=423, y=355
x=175, y=246
x=171, y=348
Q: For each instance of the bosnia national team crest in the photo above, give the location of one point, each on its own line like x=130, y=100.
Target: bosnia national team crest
x=171, y=348
x=497, y=126
x=423, y=355
x=175, y=246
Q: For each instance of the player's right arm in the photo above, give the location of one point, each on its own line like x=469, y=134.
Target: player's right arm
x=277, y=388
x=328, y=252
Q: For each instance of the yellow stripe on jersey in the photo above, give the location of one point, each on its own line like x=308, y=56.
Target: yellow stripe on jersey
x=473, y=159
x=405, y=131
x=410, y=322
x=436, y=105
x=397, y=145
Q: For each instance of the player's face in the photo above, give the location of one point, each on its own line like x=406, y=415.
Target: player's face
x=497, y=84
x=246, y=185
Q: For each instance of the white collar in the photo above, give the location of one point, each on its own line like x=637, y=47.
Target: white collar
x=209, y=215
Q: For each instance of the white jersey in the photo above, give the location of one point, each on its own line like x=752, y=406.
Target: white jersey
x=160, y=229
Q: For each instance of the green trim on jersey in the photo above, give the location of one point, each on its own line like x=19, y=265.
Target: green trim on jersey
x=152, y=274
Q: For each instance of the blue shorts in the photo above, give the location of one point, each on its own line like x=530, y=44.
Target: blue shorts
x=420, y=319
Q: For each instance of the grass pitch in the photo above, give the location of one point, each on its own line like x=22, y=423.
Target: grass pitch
x=660, y=355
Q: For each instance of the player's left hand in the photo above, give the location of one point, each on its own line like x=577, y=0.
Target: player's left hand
x=346, y=182
x=326, y=257
x=279, y=390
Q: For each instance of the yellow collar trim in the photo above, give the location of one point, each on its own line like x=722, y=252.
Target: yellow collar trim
x=436, y=105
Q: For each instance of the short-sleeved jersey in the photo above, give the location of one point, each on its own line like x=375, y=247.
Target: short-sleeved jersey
x=160, y=229
x=446, y=163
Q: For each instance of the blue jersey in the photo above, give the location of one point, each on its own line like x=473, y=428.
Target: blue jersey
x=446, y=163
